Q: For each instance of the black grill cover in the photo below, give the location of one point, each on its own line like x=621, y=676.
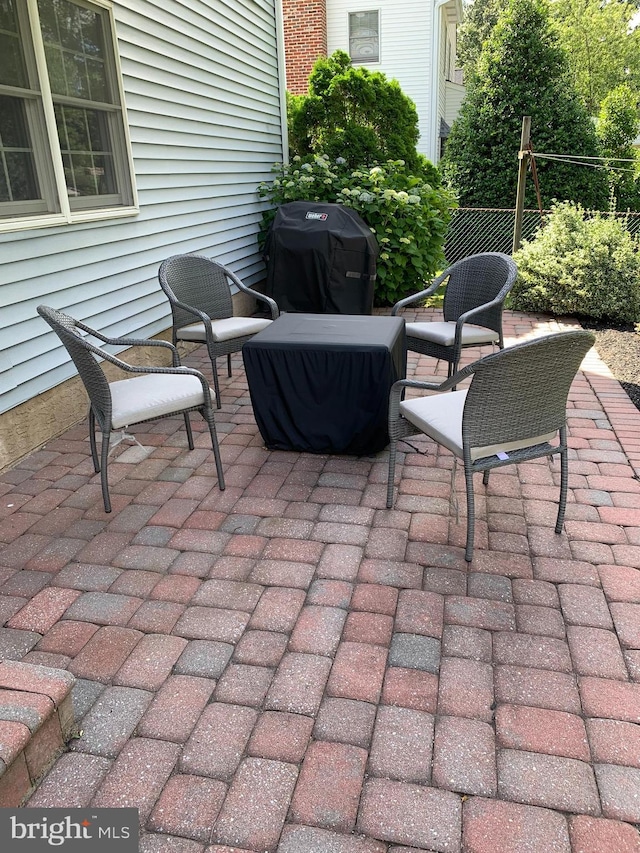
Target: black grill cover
x=321, y=259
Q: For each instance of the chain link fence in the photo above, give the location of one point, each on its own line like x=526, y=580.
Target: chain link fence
x=478, y=229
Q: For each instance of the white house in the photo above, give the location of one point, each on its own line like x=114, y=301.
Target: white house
x=413, y=42
x=130, y=130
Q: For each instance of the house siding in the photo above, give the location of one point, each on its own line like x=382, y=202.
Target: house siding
x=406, y=38
x=203, y=103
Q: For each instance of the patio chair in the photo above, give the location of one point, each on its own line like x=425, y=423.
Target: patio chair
x=474, y=296
x=199, y=293
x=157, y=392
x=514, y=407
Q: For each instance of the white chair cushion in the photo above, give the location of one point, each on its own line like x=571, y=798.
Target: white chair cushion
x=440, y=417
x=445, y=333
x=224, y=330
x=153, y=395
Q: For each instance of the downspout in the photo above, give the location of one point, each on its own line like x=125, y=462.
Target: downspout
x=435, y=81
x=282, y=80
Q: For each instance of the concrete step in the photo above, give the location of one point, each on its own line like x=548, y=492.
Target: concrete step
x=36, y=720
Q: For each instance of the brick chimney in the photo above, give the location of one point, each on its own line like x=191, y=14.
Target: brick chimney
x=305, y=39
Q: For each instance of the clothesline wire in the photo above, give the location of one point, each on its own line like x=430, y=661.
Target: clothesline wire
x=573, y=160
x=586, y=157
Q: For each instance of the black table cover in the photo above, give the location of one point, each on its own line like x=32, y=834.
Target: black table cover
x=319, y=383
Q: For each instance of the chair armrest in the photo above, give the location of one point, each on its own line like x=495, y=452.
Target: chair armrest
x=467, y=317
x=131, y=342
x=397, y=389
x=261, y=297
x=408, y=300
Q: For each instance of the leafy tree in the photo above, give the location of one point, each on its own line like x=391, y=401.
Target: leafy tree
x=353, y=113
x=618, y=125
x=522, y=71
x=479, y=19
x=603, y=50
x=601, y=43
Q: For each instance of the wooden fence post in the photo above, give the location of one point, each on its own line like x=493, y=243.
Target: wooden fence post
x=524, y=156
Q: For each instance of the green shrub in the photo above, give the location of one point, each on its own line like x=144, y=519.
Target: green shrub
x=582, y=265
x=408, y=215
x=354, y=113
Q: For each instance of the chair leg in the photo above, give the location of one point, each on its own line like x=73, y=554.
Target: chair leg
x=393, y=448
x=229, y=364
x=485, y=477
x=104, y=453
x=564, y=481
x=187, y=424
x=453, y=367
x=208, y=416
x=216, y=384
x=92, y=440
x=471, y=514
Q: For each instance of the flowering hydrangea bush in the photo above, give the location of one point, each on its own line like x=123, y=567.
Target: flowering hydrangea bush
x=408, y=213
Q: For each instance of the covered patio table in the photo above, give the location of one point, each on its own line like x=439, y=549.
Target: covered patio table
x=319, y=383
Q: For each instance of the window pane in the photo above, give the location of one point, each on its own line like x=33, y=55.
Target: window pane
x=86, y=149
x=55, y=64
x=18, y=181
x=73, y=37
x=21, y=176
x=364, y=36
x=12, y=67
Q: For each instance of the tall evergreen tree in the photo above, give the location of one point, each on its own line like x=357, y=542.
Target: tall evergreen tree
x=522, y=71
x=480, y=17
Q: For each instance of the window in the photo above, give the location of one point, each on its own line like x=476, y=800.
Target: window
x=63, y=141
x=364, y=36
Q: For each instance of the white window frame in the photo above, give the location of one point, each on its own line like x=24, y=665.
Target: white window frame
x=358, y=60
x=43, y=133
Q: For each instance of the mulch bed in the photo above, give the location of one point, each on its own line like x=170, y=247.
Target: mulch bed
x=619, y=348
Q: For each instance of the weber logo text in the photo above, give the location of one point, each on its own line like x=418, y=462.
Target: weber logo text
x=321, y=216
x=35, y=830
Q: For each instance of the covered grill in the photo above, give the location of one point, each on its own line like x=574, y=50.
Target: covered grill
x=321, y=259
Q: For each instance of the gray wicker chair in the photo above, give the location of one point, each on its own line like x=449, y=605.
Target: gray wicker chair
x=472, y=310
x=156, y=392
x=515, y=405
x=198, y=290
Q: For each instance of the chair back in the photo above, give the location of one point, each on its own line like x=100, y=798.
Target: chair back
x=84, y=356
x=196, y=281
x=521, y=392
x=476, y=280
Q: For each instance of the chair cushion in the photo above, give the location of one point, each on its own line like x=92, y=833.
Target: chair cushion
x=440, y=417
x=224, y=330
x=444, y=334
x=153, y=395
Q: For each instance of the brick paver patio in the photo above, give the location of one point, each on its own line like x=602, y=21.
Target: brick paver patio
x=289, y=666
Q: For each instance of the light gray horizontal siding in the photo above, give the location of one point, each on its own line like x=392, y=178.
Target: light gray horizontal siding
x=203, y=104
x=405, y=48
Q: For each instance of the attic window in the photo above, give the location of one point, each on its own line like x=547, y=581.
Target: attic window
x=364, y=36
